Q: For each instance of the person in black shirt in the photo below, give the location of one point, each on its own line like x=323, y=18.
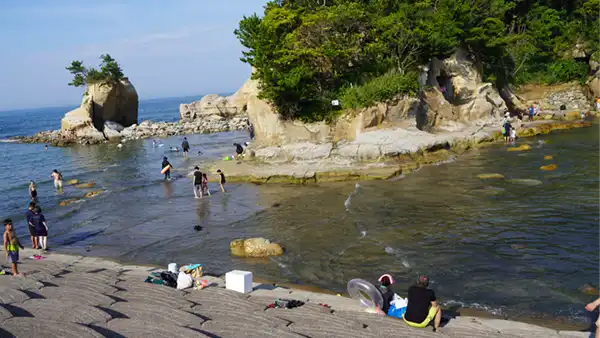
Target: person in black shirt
x=221, y=179
x=165, y=163
x=238, y=150
x=198, y=182
x=422, y=306
x=386, y=291
x=185, y=146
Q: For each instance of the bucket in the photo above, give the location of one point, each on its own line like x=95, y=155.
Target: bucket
x=172, y=267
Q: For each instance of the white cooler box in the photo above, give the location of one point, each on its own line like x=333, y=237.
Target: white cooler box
x=240, y=281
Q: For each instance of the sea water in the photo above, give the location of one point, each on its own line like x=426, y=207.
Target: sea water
x=508, y=248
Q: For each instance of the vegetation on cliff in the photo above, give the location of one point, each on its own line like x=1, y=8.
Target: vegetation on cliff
x=109, y=71
x=309, y=52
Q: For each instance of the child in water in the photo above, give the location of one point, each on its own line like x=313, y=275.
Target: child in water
x=58, y=179
x=221, y=180
x=32, y=190
x=205, y=185
x=11, y=246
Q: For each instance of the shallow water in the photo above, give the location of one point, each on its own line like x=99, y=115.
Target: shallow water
x=516, y=248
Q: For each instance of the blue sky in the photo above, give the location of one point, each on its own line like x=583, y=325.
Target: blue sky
x=166, y=48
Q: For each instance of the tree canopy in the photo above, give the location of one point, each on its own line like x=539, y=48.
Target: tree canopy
x=109, y=71
x=307, y=53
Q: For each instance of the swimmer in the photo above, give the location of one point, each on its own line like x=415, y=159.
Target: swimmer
x=58, y=179
x=46, y=147
x=32, y=190
x=154, y=144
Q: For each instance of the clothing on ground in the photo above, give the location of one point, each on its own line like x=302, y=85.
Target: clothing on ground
x=238, y=148
x=419, y=302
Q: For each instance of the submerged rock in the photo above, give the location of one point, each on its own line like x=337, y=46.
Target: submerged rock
x=525, y=181
x=490, y=176
x=93, y=193
x=548, y=157
x=522, y=147
x=73, y=181
x=85, y=185
x=549, y=167
x=68, y=201
x=255, y=247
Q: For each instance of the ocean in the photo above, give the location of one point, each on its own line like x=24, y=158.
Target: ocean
x=520, y=247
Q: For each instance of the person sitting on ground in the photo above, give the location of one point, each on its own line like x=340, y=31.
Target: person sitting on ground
x=238, y=150
x=385, y=288
x=591, y=307
x=422, y=306
x=197, y=182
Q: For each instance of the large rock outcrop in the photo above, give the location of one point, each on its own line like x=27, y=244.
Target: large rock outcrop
x=255, y=247
x=106, y=106
x=456, y=93
x=213, y=106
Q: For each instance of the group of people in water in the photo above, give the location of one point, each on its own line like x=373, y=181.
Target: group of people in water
x=199, y=179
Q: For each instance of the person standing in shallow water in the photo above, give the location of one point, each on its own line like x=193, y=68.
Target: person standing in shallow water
x=58, y=179
x=185, y=145
x=165, y=163
x=32, y=190
x=28, y=214
x=197, y=182
x=222, y=180
x=422, y=306
x=591, y=307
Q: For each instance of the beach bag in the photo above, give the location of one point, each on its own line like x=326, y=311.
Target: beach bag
x=184, y=281
x=397, y=307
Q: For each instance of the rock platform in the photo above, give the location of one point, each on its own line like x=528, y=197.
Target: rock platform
x=75, y=296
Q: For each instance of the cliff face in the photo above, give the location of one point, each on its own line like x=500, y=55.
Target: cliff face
x=455, y=93
x=102, y=104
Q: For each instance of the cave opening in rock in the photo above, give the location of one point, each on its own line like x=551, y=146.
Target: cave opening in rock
x=445, y=83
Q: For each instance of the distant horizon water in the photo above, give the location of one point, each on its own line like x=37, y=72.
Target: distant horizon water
x=148, y=99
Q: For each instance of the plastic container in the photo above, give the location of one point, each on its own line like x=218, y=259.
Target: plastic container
x=240, y=281
x=173, y=268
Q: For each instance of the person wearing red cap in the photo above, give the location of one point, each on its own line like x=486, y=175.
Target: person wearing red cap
x=422, y=306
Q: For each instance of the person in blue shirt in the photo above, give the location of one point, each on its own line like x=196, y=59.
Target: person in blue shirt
x=531, y=113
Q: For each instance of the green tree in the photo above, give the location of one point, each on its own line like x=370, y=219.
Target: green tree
x=109, y=71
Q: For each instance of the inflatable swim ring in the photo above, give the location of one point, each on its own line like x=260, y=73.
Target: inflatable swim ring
x=366, y=292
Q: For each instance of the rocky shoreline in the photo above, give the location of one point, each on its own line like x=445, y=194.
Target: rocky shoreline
x=146, y=129
x=376, y=155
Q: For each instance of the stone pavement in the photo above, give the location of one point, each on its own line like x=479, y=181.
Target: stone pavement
x=74, y=296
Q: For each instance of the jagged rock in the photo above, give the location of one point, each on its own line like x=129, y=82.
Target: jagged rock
x=255, y=247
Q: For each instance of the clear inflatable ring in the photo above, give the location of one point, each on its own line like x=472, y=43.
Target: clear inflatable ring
x=366, y=292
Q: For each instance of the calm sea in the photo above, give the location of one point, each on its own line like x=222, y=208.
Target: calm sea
x=514, y=248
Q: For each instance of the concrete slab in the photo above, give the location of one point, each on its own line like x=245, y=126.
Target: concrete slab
x=82, y=296
x=154, y=299
x=155, y=314
x=64, y=311
x=36, y=327
x=142, y=329
x=10, y=296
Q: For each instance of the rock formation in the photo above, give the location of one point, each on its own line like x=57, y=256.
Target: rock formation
x=455, y=92
x=255, y=247
x=105, y=109
x=218, y=107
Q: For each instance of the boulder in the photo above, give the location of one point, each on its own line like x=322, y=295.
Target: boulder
x=549, y=167
x=456, y=92
x=85, y=185
x=490, y=176
x=93, y=193
x=255, y=247
x=522, y=147
x=115, y=103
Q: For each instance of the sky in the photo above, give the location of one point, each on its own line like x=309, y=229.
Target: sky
x=166, y=48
